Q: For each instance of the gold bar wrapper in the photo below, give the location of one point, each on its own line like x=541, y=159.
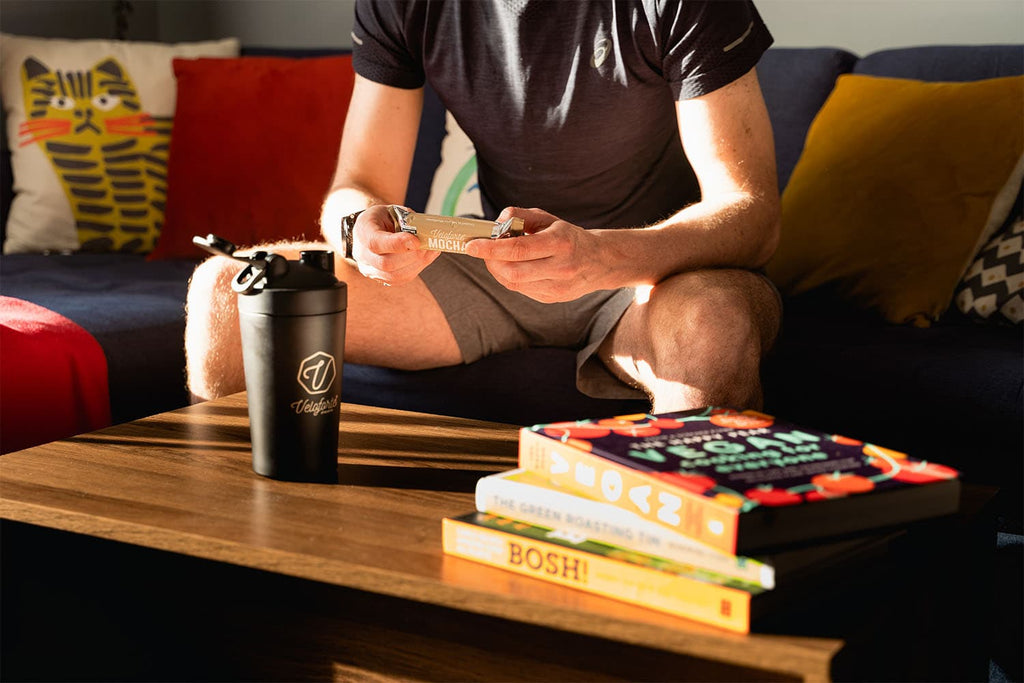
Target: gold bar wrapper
x=451, y=233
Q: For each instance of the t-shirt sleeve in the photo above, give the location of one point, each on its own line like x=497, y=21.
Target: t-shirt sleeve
x=381, y=49
x=709, y=44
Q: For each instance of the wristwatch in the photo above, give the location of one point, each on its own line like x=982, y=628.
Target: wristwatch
x=348, y=223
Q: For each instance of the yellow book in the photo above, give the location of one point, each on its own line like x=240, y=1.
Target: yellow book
x=574, y=561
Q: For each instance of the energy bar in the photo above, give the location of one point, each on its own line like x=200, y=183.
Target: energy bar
x=451, y=233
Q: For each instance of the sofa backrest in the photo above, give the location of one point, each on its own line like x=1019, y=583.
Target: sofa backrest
x=795, y=83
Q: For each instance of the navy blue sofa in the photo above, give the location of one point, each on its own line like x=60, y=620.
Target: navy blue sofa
x=952, y=392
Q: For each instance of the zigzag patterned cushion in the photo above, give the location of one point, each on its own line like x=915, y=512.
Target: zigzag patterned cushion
x=992, y=287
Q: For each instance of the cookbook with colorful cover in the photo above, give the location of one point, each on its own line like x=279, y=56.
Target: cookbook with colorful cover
x=577, y=562
x=528, y=497
x=739, y=481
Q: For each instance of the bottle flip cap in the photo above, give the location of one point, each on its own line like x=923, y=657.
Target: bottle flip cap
x=265, y=270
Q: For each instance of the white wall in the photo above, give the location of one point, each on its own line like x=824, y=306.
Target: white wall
x=860, y=26
x=863, y=26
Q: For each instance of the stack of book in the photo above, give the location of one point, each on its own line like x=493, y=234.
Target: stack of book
x=696, y=513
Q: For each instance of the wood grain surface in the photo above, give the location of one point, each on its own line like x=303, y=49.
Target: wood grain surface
x=182, y=482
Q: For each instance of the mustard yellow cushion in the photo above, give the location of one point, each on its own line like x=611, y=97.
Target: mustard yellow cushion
x=899, y=185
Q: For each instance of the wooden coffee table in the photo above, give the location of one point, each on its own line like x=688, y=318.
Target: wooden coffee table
x=173, y=559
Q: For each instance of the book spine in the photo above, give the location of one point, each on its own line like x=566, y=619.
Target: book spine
x=539, y=504
x=728, y=608
x=683, y=511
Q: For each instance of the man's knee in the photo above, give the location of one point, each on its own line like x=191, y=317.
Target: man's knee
x=212, y=354
x=211, y=278
x=713, y=311
x=210, y=301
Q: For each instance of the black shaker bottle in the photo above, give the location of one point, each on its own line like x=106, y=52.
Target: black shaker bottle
x=292, y=321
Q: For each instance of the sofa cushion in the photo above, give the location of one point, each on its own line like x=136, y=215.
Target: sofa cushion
x=455, y=190
x=96, y=183
x=427, y=156
x=235, y=123
x=899, y=185
x=795, y=83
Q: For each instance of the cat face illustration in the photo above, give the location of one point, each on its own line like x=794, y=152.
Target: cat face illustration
x=108, y=155
x=79, y=104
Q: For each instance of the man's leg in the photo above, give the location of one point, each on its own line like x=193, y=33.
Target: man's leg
x=399, y=327
x=698, y=340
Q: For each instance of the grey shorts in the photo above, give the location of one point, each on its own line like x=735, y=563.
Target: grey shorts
x=487, y=318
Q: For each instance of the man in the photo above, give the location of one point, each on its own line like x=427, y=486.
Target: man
x=579, y=108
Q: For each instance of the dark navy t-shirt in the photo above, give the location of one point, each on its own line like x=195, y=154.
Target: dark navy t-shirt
x=570, y=103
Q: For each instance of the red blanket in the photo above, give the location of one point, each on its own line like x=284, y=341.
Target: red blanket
x=53, y=377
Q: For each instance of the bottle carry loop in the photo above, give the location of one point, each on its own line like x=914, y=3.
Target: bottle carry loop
x=263, y=269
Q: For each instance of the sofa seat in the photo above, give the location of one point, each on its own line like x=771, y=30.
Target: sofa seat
x=523, y=387
x=952, y=392
x=135, y=311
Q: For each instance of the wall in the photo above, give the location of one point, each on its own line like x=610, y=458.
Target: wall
x=262, y=23
x=863, y=26
x=76, y=19
x=858, y=25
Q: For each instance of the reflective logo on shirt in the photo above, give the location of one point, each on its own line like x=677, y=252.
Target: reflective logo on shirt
x=602, y=48
x=739, y=40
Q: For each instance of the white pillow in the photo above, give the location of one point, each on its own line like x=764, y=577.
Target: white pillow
x=89, y=157
x=454, y=190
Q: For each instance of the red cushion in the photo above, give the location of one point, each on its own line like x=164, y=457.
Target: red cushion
x=53, y=379
x=253, y=149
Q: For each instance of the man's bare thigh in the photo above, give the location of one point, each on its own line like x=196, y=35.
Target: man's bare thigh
x=397, y=327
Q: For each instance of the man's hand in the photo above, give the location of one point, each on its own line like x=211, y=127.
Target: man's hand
x=384, y=255
x=555, y=261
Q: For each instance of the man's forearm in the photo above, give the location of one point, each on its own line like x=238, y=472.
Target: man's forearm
x=738, y=231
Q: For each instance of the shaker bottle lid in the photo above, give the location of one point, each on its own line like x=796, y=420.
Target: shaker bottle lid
x=280, y=301
x=318, y=259
x=304, y=287
x=270, y=284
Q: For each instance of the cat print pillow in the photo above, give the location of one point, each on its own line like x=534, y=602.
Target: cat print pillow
x=88, y=124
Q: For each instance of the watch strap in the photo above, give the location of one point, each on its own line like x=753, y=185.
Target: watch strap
x=348, y=224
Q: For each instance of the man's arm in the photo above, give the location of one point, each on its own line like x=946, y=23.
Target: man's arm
x=377, y=147
x=728, y=139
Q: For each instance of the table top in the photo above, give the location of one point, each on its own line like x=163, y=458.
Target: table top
x=182, y=482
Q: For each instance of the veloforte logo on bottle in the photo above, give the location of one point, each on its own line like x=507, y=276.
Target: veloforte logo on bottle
x=317, y=373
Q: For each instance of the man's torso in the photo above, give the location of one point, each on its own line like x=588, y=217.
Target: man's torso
x=571, y=105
